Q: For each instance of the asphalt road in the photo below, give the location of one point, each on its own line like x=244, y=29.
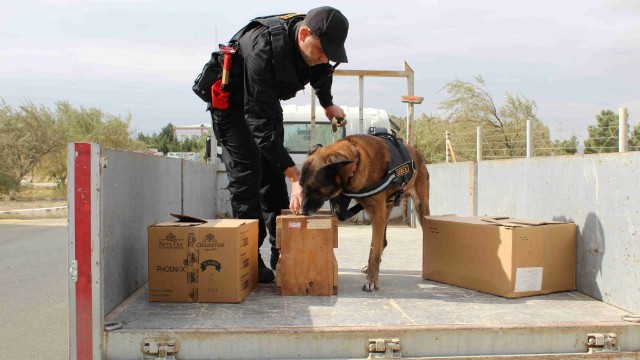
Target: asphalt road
x=34, y=316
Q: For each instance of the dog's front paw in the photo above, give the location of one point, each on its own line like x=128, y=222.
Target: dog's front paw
x=367, y=287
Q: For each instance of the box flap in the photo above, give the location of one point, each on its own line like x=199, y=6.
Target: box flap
x=493, y=220
x=183, y=221
x=460, y=219
x=187, y=218
x=505, y=221
x=228, y=223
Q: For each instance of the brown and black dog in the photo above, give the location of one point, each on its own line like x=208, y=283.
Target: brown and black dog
x=355, y=163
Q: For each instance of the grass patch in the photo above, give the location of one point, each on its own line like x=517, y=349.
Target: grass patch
x=38, y=193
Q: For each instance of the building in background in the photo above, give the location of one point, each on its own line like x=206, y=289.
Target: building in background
x=184, y=132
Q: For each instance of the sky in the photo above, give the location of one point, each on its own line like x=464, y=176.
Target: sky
x=573, y=58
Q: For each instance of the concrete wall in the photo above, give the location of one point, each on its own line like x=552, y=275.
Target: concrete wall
x=597, y=192
x=138, y=190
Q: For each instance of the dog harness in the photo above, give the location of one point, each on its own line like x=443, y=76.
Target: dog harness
x=400, y=170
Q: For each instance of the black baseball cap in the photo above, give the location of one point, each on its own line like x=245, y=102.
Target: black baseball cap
x=331, y=27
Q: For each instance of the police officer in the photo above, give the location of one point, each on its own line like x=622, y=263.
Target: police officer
x=276, y=57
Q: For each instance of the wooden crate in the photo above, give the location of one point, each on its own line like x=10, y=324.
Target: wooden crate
x=307, y=264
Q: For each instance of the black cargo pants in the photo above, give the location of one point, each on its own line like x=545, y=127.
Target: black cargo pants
x=258, y=189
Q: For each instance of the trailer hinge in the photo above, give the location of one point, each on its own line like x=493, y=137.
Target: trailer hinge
x=159, y=349
x=73, y=270
x=603, y=343
x=384, y=349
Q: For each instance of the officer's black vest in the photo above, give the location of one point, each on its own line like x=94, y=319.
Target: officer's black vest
x=286, y=77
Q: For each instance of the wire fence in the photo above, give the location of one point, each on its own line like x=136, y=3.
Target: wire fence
x=534, y=140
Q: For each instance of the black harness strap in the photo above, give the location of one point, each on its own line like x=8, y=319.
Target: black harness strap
x=340, y=207
x=277, y=40
x=399, y=169
x=399, y=172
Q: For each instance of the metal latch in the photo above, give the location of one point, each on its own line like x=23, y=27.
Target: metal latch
x=104, y=162
x=602, y=343
x=159, y=349
x=73, y=270
x=384, y=349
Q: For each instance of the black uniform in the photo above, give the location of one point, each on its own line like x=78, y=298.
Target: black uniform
x=251, y=131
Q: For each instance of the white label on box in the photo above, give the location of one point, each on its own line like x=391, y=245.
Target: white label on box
x=295, y=225
x=319, y=224
x=528, y=279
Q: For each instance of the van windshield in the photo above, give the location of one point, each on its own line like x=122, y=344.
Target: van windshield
x=298, y=135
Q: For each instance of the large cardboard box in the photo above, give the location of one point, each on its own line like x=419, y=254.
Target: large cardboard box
x=194, y=260
x=502, y=256
x=307, y=264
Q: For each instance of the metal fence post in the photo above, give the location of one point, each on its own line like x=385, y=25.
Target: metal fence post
x=529, y=139
x=361, y=105
x=446, y=146
x=479, y=143
x=622, y=129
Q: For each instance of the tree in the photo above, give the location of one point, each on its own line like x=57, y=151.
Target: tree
x=86, y=125
x=504, y=128
x=429, y=136
x=28, y=135
x=566, y=147
x=166, y=142
x=473, y=103
x=634, y=139
x=603, y=137
x=429, y=131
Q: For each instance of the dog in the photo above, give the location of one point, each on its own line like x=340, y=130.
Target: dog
x=355, y=163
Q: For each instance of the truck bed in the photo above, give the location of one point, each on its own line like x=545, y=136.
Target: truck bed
x=431, y=319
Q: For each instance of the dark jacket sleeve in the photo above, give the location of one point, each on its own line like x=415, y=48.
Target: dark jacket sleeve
x=262, y=105
x=321, y=80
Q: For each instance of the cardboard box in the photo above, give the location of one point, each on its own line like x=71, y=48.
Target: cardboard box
x=307, y=264
x=194, y=260
x=502, y=256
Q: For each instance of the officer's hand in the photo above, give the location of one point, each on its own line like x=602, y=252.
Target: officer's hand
x=334, y=111
x=296, y=189
x=296, y=197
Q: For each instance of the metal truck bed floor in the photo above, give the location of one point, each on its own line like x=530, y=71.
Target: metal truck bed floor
x=404, y=303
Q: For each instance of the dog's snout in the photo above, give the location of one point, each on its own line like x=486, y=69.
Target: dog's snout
x=310, y=205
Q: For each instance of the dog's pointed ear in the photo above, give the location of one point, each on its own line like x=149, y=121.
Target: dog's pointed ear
x=335, y=163
x=313, y=149
x=338, y=159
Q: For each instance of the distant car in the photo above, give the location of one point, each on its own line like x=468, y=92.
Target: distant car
x=184, y=155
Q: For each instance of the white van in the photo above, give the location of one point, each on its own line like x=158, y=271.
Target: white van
x=297, y=127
